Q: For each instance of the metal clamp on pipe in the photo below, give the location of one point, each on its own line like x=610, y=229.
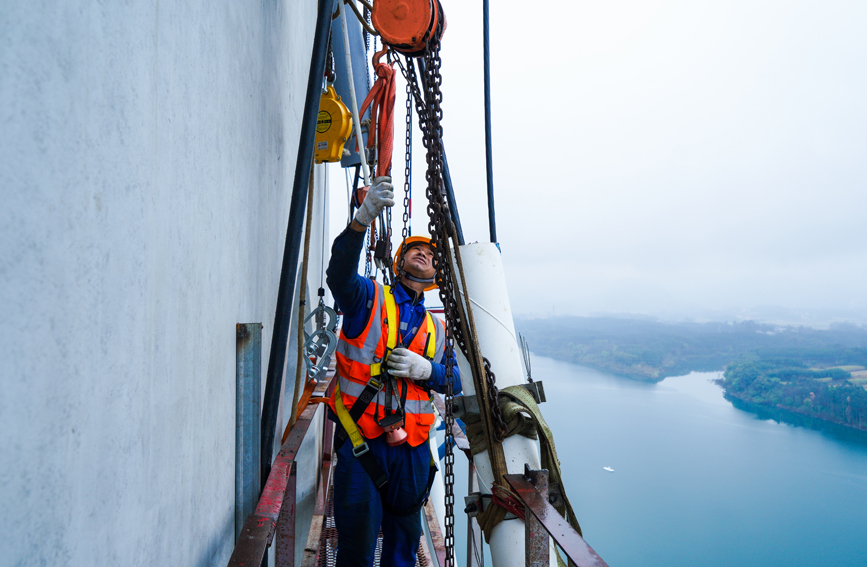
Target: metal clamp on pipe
x=476, y=503
x=463, y=405
x=537, y=391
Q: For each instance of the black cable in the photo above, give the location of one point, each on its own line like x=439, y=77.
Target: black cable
x=289, y=269
x=450, y=196
x=447, y=177
x=489, y=159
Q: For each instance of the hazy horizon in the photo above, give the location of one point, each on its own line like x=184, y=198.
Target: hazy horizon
x=664, y=158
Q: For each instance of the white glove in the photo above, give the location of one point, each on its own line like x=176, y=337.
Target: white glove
x=379, y=196
x=407, y=364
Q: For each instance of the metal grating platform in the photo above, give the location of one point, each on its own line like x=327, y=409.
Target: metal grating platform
x=327, y=556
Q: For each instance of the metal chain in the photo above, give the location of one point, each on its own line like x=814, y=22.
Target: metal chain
x=366, y=33
x=438, y=228
x=407, y=174
x=428, y=102
x=386, y=234
x=493, y=399
x=407, y=170
x=430, y=116
x=367, y=258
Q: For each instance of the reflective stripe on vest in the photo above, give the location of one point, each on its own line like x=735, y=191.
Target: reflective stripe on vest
x=361, y=357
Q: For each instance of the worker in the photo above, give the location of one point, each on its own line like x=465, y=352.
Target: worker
x=383, y=476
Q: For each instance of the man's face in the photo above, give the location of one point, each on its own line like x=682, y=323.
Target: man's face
x=418, y=261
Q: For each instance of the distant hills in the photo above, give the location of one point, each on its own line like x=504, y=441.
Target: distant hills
x=816, y=372
x=652, y=350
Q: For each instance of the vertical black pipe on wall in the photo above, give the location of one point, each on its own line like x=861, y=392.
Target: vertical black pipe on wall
x=447, y=176
x=289, y=270
x=450, y=195
x=489, y=158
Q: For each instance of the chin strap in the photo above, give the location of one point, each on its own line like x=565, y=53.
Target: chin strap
x=412, y=278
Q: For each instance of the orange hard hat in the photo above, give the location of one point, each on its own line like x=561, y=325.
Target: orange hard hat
x=409, y=243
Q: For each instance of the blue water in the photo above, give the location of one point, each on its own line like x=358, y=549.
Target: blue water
x=696, y=481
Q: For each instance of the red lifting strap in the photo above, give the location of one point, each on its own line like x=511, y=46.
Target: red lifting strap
x=504, y=498
x=382, y=98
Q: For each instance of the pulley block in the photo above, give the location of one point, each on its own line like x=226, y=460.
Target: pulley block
x=333, y=126
x=409, y=26
x=380, y=254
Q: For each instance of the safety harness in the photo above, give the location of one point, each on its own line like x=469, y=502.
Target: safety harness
x=348, y=418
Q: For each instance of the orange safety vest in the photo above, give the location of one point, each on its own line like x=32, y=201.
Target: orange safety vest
x=360, y=357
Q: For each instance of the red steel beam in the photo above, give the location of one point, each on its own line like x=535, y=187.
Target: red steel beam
x=259, y=528
x=566, y=537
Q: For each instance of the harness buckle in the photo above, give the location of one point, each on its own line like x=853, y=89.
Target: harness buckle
x=360, y=450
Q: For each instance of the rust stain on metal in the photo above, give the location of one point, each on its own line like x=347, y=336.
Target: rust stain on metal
x=285, y=556
x=566, y=537
x=435, y=535
x=242, y=335
x=247, y=553
x=259, y=527
x=536, y=544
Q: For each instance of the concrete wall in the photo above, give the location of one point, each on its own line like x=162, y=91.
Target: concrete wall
x=146, y=157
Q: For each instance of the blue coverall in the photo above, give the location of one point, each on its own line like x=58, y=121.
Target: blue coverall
x=358, y=510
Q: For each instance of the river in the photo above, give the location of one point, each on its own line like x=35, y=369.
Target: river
x=698, y=482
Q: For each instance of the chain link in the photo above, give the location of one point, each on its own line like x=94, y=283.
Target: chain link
x=428, y=101
x=438, y=227
x=494, y=402
x=407, y=174
x=368, y=259
x=407, y=170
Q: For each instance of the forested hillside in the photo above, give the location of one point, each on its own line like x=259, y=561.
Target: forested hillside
x=827, y=383
x=652, y=350
x=819, y=373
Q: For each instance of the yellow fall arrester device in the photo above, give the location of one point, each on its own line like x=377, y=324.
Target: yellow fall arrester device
x=332, y=127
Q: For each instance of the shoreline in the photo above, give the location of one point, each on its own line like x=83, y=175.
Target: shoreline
x=726, y=394
x=780, y=407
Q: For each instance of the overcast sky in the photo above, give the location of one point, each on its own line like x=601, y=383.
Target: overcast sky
x=664, y=157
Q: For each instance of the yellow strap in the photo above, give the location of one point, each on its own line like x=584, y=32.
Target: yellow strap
x=345, y=419
x=391, y=317
x=432, y=342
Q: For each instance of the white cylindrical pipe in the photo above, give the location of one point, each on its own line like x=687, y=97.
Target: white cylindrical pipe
x=495, y=329
x=356, y=119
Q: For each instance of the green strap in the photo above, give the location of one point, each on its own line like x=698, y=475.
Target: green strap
x=524, y=402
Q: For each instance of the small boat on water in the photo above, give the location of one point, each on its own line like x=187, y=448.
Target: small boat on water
x=609, y=469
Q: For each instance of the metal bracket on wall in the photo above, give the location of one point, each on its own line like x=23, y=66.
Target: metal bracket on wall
x=248, y=387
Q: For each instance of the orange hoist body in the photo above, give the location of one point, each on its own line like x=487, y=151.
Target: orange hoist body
x=333, y=126
x=408, y=25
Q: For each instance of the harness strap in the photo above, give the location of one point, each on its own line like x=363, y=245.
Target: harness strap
x=392, y=322
x=359, y=446
x=348, y=419
x=361, y=451
x=430, y=345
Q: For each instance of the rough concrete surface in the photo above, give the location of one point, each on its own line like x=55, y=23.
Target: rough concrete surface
x=146, y=158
